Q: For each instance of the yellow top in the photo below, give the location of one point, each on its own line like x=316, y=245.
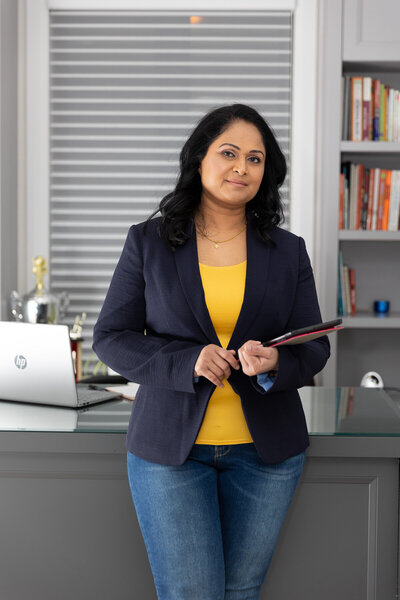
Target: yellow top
x=224, y=421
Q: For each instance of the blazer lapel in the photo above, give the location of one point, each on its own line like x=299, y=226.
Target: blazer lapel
x=187, y=264
x=258, y=259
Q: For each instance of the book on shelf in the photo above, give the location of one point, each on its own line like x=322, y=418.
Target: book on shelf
x=346, y=289
x=356, y=108
x=352, y=283
x=369, y=198
x=370, y=110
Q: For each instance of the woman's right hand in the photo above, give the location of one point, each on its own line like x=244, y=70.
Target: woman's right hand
x=215, y=363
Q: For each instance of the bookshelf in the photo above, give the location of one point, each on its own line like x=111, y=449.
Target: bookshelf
x=370, y=342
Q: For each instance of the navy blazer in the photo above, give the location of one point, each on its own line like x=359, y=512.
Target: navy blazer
x=154, y=324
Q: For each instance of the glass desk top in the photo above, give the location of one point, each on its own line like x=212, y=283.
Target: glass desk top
x=346, y=411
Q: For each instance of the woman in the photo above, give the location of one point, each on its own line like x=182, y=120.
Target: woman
x=217, y=436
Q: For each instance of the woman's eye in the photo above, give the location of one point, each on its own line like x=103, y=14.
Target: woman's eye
x=255, y=159
x=228, y=153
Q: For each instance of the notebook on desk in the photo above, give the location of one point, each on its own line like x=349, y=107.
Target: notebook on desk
x=36, y=366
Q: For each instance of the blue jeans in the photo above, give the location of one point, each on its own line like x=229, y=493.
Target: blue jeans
x=211, y=525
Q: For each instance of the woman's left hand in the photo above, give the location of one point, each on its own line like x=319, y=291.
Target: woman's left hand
x=256, y=358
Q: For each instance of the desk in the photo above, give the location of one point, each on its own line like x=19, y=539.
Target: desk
x=69, y=529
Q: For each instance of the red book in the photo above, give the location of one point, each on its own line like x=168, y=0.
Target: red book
x=386, y=200
x=381, y=199
x=352, y=277
x=370, y=198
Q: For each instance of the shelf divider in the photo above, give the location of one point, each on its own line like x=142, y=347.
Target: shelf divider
x=367, y=320
x=370, y=147
x=363, y=235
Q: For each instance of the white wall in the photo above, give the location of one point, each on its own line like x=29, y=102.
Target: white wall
x=8, y=151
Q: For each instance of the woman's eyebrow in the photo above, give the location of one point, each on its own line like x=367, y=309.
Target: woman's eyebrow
x=237, y=148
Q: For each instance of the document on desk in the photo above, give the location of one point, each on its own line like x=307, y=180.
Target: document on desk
x=126, y=390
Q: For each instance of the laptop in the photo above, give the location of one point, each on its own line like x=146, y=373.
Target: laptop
x=36, y=366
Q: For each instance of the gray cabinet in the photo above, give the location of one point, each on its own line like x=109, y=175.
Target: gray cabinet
x=371, y=30
x=69, y=529
x=340, y=538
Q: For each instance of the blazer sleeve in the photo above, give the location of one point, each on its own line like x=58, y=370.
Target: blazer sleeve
x=299, y=363
x=119, y=339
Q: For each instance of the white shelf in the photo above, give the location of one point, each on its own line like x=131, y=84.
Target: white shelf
x=370, y=321
x=364, y=235
x=370, y=147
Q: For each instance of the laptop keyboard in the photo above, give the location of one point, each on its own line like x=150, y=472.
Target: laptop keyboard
x=86, y=395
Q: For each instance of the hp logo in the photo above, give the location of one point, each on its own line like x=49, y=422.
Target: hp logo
x=20, y=361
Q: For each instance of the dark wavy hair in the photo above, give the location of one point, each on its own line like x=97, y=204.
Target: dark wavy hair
x=180, y=205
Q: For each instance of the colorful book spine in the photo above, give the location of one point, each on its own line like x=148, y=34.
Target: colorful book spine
x=359, y=195
x=347, y=293
x=382, y=115
x=390, y=125
x=364, y=203
x=394, y=213
x=386, y=200
x=352, y=278
x=375, y=199
x=377, y=101
x=356, y=108
x=381, y=199
x=369, y=198
x=371, y=110
x=341, y=201
x=345, y=171
x=366, y=114
x=353, y=195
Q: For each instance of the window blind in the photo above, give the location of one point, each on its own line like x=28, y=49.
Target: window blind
x=126, y=89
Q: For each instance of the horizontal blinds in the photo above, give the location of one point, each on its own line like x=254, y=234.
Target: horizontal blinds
x=125, y=91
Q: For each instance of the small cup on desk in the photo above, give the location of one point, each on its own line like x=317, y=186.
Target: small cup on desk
x=381, y=307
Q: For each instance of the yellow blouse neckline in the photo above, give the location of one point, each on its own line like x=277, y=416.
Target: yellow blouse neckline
x=223, y=266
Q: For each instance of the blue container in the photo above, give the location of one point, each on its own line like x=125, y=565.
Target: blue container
x=381, y=307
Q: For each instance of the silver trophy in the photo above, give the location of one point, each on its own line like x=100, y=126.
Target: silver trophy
x=39, y=305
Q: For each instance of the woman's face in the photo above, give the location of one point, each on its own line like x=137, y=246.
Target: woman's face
x=232, y=170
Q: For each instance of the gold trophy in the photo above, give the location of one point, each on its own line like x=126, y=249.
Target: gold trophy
x=39, y=305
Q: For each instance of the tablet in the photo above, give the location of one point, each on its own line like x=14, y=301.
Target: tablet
x=306, y=334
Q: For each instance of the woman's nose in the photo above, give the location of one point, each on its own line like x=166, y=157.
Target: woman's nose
x=240, y=165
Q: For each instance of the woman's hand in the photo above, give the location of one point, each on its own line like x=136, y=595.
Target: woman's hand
x=215, y=363
x=256, y=358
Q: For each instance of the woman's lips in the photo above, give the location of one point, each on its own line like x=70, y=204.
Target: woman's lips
x=237, y=183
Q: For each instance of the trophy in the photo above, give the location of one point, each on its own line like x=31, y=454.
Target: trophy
x=39, y=305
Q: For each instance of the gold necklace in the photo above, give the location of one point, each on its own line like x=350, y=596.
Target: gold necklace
x=216, y=242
